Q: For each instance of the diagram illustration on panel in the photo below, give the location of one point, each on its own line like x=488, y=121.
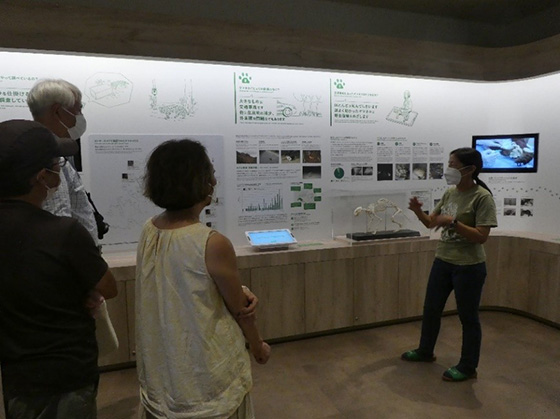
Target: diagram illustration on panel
x=305, y=196
x=108, y=89
x=308, y=106
x=403, y=114
x=183, y=107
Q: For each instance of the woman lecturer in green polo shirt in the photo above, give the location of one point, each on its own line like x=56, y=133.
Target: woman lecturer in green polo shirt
x=466, y=213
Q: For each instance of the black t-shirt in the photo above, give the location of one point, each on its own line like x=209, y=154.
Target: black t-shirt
x=48, y=264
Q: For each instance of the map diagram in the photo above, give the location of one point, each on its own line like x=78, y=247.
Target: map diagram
x=131, y=209
x=118, y=186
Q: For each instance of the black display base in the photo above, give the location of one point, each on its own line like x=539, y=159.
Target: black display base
x=388, y=234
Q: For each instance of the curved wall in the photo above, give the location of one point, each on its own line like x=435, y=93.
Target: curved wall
x=450, y=111
x=406, y=44
x=294, y=148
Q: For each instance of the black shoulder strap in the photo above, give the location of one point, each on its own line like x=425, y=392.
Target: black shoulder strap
x=91, y=202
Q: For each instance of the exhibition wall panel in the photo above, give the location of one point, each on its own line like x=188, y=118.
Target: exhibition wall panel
x=287, y=143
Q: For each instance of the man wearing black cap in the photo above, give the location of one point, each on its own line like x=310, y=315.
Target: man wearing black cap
x=49, y=264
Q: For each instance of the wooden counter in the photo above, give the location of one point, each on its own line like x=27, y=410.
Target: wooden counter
x=326, y=287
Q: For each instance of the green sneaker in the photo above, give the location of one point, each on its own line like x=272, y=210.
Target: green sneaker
x=453, y=374
x=415, y=356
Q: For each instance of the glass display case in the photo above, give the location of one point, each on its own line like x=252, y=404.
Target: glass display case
x=362, y=216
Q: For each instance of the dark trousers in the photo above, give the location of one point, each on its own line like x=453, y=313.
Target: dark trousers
x=467, y=282
x=79, y=404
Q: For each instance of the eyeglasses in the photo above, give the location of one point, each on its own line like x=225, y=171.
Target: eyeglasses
x=62, y=161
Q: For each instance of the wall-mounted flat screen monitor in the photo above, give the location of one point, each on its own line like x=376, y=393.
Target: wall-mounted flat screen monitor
x=517, y=153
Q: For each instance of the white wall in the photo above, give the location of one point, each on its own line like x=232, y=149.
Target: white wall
x=205, y=101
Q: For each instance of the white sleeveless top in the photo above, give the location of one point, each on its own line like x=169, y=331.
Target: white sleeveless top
x=190, y=352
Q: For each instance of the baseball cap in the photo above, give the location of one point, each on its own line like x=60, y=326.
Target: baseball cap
x=28, y=143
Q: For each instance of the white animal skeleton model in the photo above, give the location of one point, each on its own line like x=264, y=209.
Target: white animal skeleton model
x=382, y=205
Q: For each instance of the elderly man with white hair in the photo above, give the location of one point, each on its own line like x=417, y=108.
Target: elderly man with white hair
x=57, y=104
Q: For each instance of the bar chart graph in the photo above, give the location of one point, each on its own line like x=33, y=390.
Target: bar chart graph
x=259, y=198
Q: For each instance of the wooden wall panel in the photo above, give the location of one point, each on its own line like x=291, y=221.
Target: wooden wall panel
x=353, y=286
x=376, y=289
x=245, y=276
x=329, y=295
x=282, y=293
x=493, y=293
x=514, y=273
x=544, y=289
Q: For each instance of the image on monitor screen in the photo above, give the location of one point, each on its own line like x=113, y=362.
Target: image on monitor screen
x=515, y=153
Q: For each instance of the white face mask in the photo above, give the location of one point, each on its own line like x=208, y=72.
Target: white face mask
x=453, y=176
x=51, y=190
x=79, y=128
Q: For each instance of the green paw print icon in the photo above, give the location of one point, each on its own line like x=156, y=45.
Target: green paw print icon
x=245, y=78
x=339, y=84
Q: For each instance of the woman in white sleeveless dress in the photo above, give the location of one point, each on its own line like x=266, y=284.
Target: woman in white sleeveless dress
x=192, y=314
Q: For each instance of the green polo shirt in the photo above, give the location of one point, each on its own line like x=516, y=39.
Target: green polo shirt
x=475, y=208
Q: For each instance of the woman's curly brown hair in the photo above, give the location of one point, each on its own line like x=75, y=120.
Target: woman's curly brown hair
x=178, y=175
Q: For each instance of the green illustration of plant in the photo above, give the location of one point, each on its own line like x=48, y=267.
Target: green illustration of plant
x=184, y=107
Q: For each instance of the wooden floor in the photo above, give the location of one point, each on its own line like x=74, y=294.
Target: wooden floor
x=359, y=375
